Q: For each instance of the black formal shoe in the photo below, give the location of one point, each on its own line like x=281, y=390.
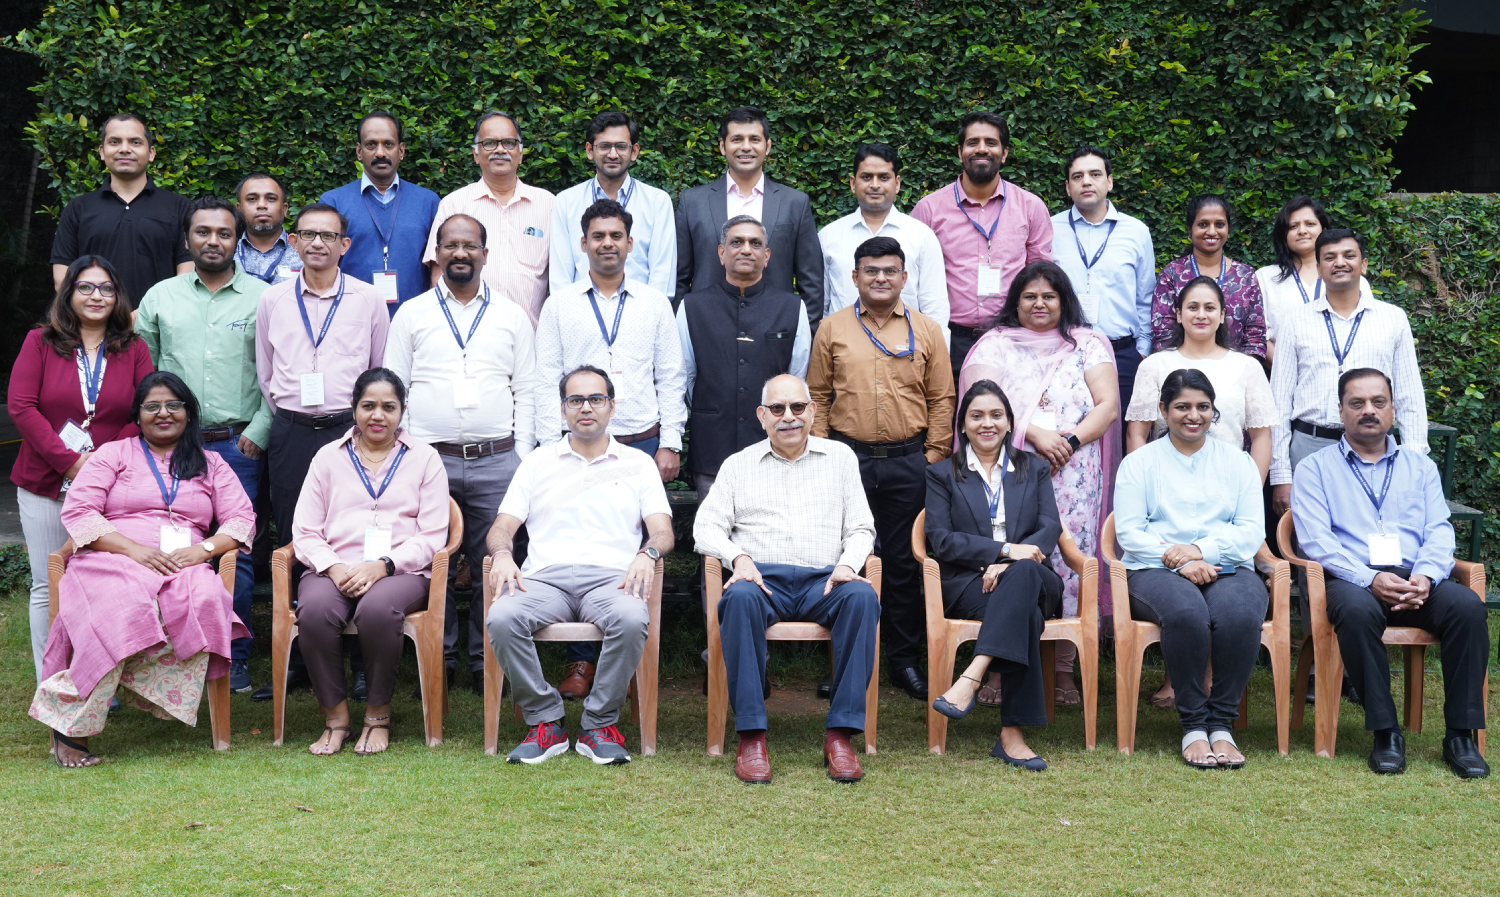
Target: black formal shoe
x=1388, y=756
x=1035, y=764
x=360, y=690
x=825, y=688
x=911, y=681
x=1461, y=753
x=295, y=679
x=477, y=685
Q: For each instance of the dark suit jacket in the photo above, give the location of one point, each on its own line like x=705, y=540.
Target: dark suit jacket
x=796, y=263
x=959, y=532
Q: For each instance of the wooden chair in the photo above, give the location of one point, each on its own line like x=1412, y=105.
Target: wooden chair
x=643, y=685
x=718, y=677
x=1133, y=637
x=944, y=636
x=423, y=627
x=1325, y=650
x=217, y=689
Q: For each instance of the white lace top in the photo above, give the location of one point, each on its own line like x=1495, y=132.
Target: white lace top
x=1242, y=393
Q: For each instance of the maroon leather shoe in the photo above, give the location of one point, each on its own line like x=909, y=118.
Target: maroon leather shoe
x=577, y=682
x=752, y=760
x=840, y=758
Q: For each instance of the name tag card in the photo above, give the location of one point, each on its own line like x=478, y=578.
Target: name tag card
x=1090, y=304
x=466, y=392
x=286, y=271
x=175, y=537
x=989, y=281
x=385, y=282
x=1045, y=420
x=1385, y=551
x=377, y=542
x=312, y=389
x=76, y=438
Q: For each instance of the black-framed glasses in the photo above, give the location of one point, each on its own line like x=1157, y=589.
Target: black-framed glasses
x=489, y=145
x=156, y=407
x=597, y=400
x=328, y=237
x=778, y=409
x=872, y=271
x=606, y=148
x=85, y=288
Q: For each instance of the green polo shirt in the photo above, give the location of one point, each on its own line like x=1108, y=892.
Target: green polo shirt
x=208, y=339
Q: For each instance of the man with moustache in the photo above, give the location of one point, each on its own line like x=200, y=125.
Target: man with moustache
x=263, y=250
x=876, y=182
x=796, y=259
x=989, y=229
x=469, y=365
x=516, y=215
x=612, y=143
x=201, y=327
x=129, y=220
x=389, y=218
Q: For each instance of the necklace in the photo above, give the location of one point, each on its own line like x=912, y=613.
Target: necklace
x=368, y=455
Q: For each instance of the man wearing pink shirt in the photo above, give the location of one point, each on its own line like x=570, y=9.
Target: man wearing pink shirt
x=989, y=229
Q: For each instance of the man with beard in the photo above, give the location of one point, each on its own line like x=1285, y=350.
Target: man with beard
x=263, y=250
x=469, y=365
x=388, y=218
x=201, y=327
x=516, y=215
x=988, y=227
x=612, y=143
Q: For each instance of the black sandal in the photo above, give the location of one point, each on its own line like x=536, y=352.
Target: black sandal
x=87, y=760
x=329, y=730
x=377, y=724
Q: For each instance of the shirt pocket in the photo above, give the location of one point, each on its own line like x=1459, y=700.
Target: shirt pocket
x=1406, y=507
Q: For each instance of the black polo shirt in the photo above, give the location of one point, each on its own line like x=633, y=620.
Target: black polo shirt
x=142, y=239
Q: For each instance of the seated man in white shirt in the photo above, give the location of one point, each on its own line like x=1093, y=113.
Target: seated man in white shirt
x=587, y=503
x=789, y=515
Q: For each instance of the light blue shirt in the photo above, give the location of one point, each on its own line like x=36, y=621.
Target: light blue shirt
x=801, y=348
x=1211, y=499
x=653, y=232
x=1123, y=278
x=383, y=198
x=1335, y=517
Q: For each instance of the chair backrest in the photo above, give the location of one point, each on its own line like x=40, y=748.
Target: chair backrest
x=919, y=537
x=1286, y=539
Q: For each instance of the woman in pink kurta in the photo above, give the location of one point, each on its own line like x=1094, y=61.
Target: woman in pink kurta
x=373, y=512
x=139, y=606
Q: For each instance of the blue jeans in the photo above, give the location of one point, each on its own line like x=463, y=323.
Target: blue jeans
x=249, y=472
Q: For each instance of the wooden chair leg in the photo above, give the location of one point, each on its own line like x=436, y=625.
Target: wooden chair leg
x=281, y=657
x=1416, y=659
x=718, y=694
x=218, y=711
x=1088, y=674
x=432, y=677
x=1328, y=688
x=1281, y=683
x=1243, y=720
x=633, y=697
x=939, y=680
x=872, y=696
x=1299, y=688
x=1485, y=704
x=1128, y=659
x=1049, y=679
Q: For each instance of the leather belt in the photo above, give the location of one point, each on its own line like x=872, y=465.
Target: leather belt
x=883, y=449
x=964, y=330
x=471, y=451
x=642, y=436
x=219, y=434
x=317, y=421
x=1121, y=342
x=1302, y=426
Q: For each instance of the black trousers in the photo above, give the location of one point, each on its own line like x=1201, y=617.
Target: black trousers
x=1452, y=612
x=1127, y=362
x=897, y=491
x=960, y=340
x=1011, y=633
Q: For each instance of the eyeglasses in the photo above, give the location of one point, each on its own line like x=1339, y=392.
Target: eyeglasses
x=455, y=246
x=607, y=148
x=872, y=271
x=779, y=408
x=84, y=288
x=312, y=236
x=156, y=407
x=509, y=144
x=595, y=401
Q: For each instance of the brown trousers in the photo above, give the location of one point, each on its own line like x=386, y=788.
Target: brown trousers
x=323, y=612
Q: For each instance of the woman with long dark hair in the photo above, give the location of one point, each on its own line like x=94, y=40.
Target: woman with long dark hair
x=141, y=608
x=1293, y=281
x=1209, y=220
x=70, y=393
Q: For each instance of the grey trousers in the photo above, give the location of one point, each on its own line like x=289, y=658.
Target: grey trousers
x=478, y=486
x=566, y=594
x=41, y=526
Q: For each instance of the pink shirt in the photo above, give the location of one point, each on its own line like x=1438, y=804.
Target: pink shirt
x=738, y=203
x=335, y=508
x=283, y=352
x=516, y=235
x=1022, y=236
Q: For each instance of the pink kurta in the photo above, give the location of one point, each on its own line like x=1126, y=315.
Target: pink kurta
x=109, y=606
x=335, y=508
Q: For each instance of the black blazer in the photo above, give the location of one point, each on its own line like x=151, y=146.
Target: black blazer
x=796, y=263
x=959, y=532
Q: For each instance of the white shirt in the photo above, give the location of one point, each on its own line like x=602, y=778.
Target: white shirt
x=501, y=355
x=739, y=204
x=1242, y=395
x=584, y=512
x=1281, y=297
x=801, y=349
x=996, y=480
x=653, y=232
x=645, y=363
x=927, y=281
x=1305, y=377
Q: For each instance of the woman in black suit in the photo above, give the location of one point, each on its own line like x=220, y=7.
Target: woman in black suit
x=992, y=523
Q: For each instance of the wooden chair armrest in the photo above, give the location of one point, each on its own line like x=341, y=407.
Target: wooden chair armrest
x=713, y=588
x=873, y=571
x=228, y=561
x=1087, y=569
x=281, y=580
x=57, y=564
x=932, y=589
x=1470, y=574
x=1280, y=582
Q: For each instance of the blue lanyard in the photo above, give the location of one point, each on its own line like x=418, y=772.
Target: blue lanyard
x=911, y=336
x=365, y=478
x=307, y=322
x=1334, y=340
x=994, y=497
x=1317, y=289
x=92, y=376
x=989, y=235
x=167, y=497
x=1089, y=263
x=269, y=274
x=453, y=325
x=394, y=206
x=1385, y=488
x=627, y=190
x=1223, y=268
x=609, y=335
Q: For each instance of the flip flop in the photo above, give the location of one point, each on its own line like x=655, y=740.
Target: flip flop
x=1223, y=735
x=988, y=695
x=1067, y=696
x=329, y=730
x=1193, y=738
x=377, y=724
x=84, y=762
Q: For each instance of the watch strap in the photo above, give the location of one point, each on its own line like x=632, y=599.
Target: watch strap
x=390, y=566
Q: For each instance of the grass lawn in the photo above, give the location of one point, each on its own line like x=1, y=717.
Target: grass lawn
x=165, y=814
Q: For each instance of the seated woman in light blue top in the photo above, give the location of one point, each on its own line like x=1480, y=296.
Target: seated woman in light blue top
x=1189, y=519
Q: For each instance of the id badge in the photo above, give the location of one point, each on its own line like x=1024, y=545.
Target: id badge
x=466, y=392
x=989, y=281
x=285, y=271
x=312, y=389
x=1090, y=304
x=1045, y=420
x=1385, y=551
x=616, y=370
x=385, y=282
x=75, y=437
x=377, y=542
x=175, y=537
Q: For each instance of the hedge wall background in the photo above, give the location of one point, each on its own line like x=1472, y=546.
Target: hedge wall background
x=1256, y=100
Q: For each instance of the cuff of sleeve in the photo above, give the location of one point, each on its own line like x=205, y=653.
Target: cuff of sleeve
x=856, y=564
x=1210, y=551
x=87, y=529
x=322, y=558
x=1280, y=476
x=241, y=530
x=1433, y=572
x=671, y=439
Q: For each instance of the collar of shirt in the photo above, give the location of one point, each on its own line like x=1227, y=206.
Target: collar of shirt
x=734, y=188
x=446, y=292
x=740, y=292
x=973, y=460
x=1320, y=305
x=964, y=197
x=108, y=188
x=403, y=436
x=1348, y=451
x=597, y=189
x=480, y=190
x=589, y=284
x=280, y=241
x=1110, y=214
x=565, y=448
x=893, y=220
x=307, y=288
x=813, y=448
x=897, y=313
x=366, y=184
x=236, y=283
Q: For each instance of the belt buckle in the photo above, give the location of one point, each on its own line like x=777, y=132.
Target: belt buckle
x=880, y=451
x=464, y=449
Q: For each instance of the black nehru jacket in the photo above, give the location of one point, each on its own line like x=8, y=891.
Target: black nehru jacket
x=143, y=239
x=739, y=342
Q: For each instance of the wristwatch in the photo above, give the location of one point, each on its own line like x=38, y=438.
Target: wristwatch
x=1005, y=549
x=207, y=545
x=390, y=566
x=1074, y=441
x=650, y=552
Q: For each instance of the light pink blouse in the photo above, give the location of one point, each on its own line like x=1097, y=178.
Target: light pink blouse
x=335, y=508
